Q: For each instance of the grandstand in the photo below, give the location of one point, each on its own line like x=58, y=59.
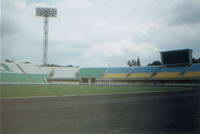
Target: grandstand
x=153, y=74
x=90, y=75
x=181, y=71
x=192, y=72
x=117, y=72
x=143, y=72
x=130, y=72
x=170, y=72
x=13, y=72
x=68, y=75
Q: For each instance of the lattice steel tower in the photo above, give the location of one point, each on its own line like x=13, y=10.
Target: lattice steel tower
x=45, y=13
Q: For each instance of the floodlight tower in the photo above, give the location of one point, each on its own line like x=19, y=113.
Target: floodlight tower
x=45, y=13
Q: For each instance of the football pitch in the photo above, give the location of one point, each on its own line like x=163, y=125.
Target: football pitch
x=76, y=90
x=129, y=113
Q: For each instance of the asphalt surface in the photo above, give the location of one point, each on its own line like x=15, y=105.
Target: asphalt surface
x=156, y=113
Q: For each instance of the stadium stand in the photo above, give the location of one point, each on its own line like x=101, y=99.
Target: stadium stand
x=15, y=72
x=192, y=72
x=143, y=72
x=61, y=74
x=131, y=72
x=92, y=72
x=12, y=72
x=170, y=72
x=117, y=72
x=89, y=75
x=152, y=74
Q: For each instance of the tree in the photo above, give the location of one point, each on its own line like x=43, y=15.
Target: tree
x=70, y=66
x=155, y=63
x=133, y=62
x=129, y=63
x=8, y=60
x=138, y=62
x=194, y=60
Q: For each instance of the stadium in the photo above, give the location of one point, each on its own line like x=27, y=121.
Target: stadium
x=182, y=71
x=47, y=89
x=49, y=98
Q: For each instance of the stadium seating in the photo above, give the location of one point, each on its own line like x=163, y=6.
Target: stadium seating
x=114, y=75
x=117, y=72
x=61, y=73
x=170, y=72
x=92, y=72
x=195, y=68
x=12, y=72
x=143, y=72
x=193, y=72
x=153, y=72
x=150, y=69
x=130, y=72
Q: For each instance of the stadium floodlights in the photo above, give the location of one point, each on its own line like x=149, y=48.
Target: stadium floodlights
x=46, y=12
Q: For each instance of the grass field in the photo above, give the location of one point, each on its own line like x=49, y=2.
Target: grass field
x=61, y=90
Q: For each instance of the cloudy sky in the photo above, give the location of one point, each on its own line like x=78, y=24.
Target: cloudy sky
x=99, y=32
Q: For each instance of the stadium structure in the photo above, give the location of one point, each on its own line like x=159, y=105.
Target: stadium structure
x=178, y=69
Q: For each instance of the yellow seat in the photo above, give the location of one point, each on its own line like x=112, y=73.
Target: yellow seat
x=139, y=75
x=191, y=74
x=115, y=75
x=167, y=75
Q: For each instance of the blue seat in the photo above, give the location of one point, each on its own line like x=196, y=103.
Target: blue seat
x=194, y=68
x=173, y=69
x=118, y=70
x=145, y=69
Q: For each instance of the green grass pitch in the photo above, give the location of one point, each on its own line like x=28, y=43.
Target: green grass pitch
x=61, y=90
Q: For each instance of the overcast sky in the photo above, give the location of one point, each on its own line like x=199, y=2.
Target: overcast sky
x=99, y=32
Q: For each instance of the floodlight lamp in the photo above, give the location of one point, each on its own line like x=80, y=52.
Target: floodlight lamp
x=46, y=12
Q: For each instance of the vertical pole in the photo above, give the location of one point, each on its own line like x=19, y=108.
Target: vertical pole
x=45, y=40
x=89, y=81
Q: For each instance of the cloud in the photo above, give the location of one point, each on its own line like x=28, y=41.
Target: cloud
x=98, y=33
x=9, y=26
x=185, y=12
x=178, y=37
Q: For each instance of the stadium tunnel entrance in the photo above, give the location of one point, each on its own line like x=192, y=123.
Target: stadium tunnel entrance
x=88, y=80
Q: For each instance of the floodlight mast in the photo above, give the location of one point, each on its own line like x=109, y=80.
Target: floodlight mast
x=45, y=13
x=45, y=40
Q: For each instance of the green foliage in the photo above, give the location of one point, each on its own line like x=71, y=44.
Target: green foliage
x=155, y=63
x=134, y=62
